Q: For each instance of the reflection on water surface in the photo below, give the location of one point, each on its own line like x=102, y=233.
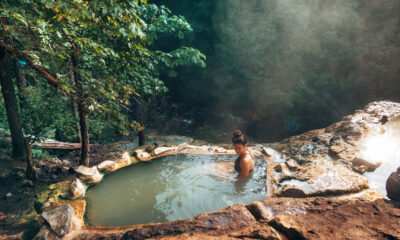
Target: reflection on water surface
x=171, y=188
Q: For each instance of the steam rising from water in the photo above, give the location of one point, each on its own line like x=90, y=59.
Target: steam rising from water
x=383, y=148
x=276, y=56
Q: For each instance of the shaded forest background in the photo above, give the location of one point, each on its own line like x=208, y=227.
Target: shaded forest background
x=273, y=69
x=278, y=68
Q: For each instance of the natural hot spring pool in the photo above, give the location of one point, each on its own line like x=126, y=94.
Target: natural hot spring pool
x=170, y=188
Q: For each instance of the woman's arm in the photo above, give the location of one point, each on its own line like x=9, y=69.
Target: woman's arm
x=244, y=168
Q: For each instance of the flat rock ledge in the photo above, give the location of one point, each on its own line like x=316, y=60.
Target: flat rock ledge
x=358, y=216
x=290, y=180
x=330, y=218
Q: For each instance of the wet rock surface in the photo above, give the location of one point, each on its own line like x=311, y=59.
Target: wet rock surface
x=342, y=140
x=326, y=161
x=316, y=180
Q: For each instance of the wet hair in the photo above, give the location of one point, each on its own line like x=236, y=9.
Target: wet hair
x=239, y=138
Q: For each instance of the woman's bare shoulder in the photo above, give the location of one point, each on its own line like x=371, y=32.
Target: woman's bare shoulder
x=248, y=157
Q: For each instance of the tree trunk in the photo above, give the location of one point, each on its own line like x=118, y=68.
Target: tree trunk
x=76, y=115
x=75, y=107
x=30, y=166
x=10, y=102
x=85, y=135
x=140, y=115
x=142, y=135
x=21, y=84
x=85, y=150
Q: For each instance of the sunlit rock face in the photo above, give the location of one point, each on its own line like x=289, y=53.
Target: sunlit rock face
x=317, y=180
x=366, y=142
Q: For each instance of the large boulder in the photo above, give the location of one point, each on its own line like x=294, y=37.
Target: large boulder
x=91, y=174
x=60, y=219
x=393, y=185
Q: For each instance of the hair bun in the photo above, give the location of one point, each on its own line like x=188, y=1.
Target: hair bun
x=237, y=133
x=238, y=137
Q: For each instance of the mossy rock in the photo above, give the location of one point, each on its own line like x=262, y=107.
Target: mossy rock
x=51, y=193
x=134, y=160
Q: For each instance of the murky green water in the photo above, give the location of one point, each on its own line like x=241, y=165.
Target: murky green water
x=171, y=188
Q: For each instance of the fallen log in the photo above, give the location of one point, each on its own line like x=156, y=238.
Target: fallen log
x=51, y=144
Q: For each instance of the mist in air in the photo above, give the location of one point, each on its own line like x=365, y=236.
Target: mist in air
x=279, y=68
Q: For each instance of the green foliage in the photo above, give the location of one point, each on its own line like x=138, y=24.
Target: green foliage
x=39, y=153
x=44, y=111
x=117, y=61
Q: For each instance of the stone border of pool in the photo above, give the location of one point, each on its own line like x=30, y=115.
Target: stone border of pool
x=342, y=217
x=70, y=193
x=338, y=206
x=237, y=220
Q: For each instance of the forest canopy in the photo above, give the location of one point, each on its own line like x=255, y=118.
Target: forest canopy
x=93, y=56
